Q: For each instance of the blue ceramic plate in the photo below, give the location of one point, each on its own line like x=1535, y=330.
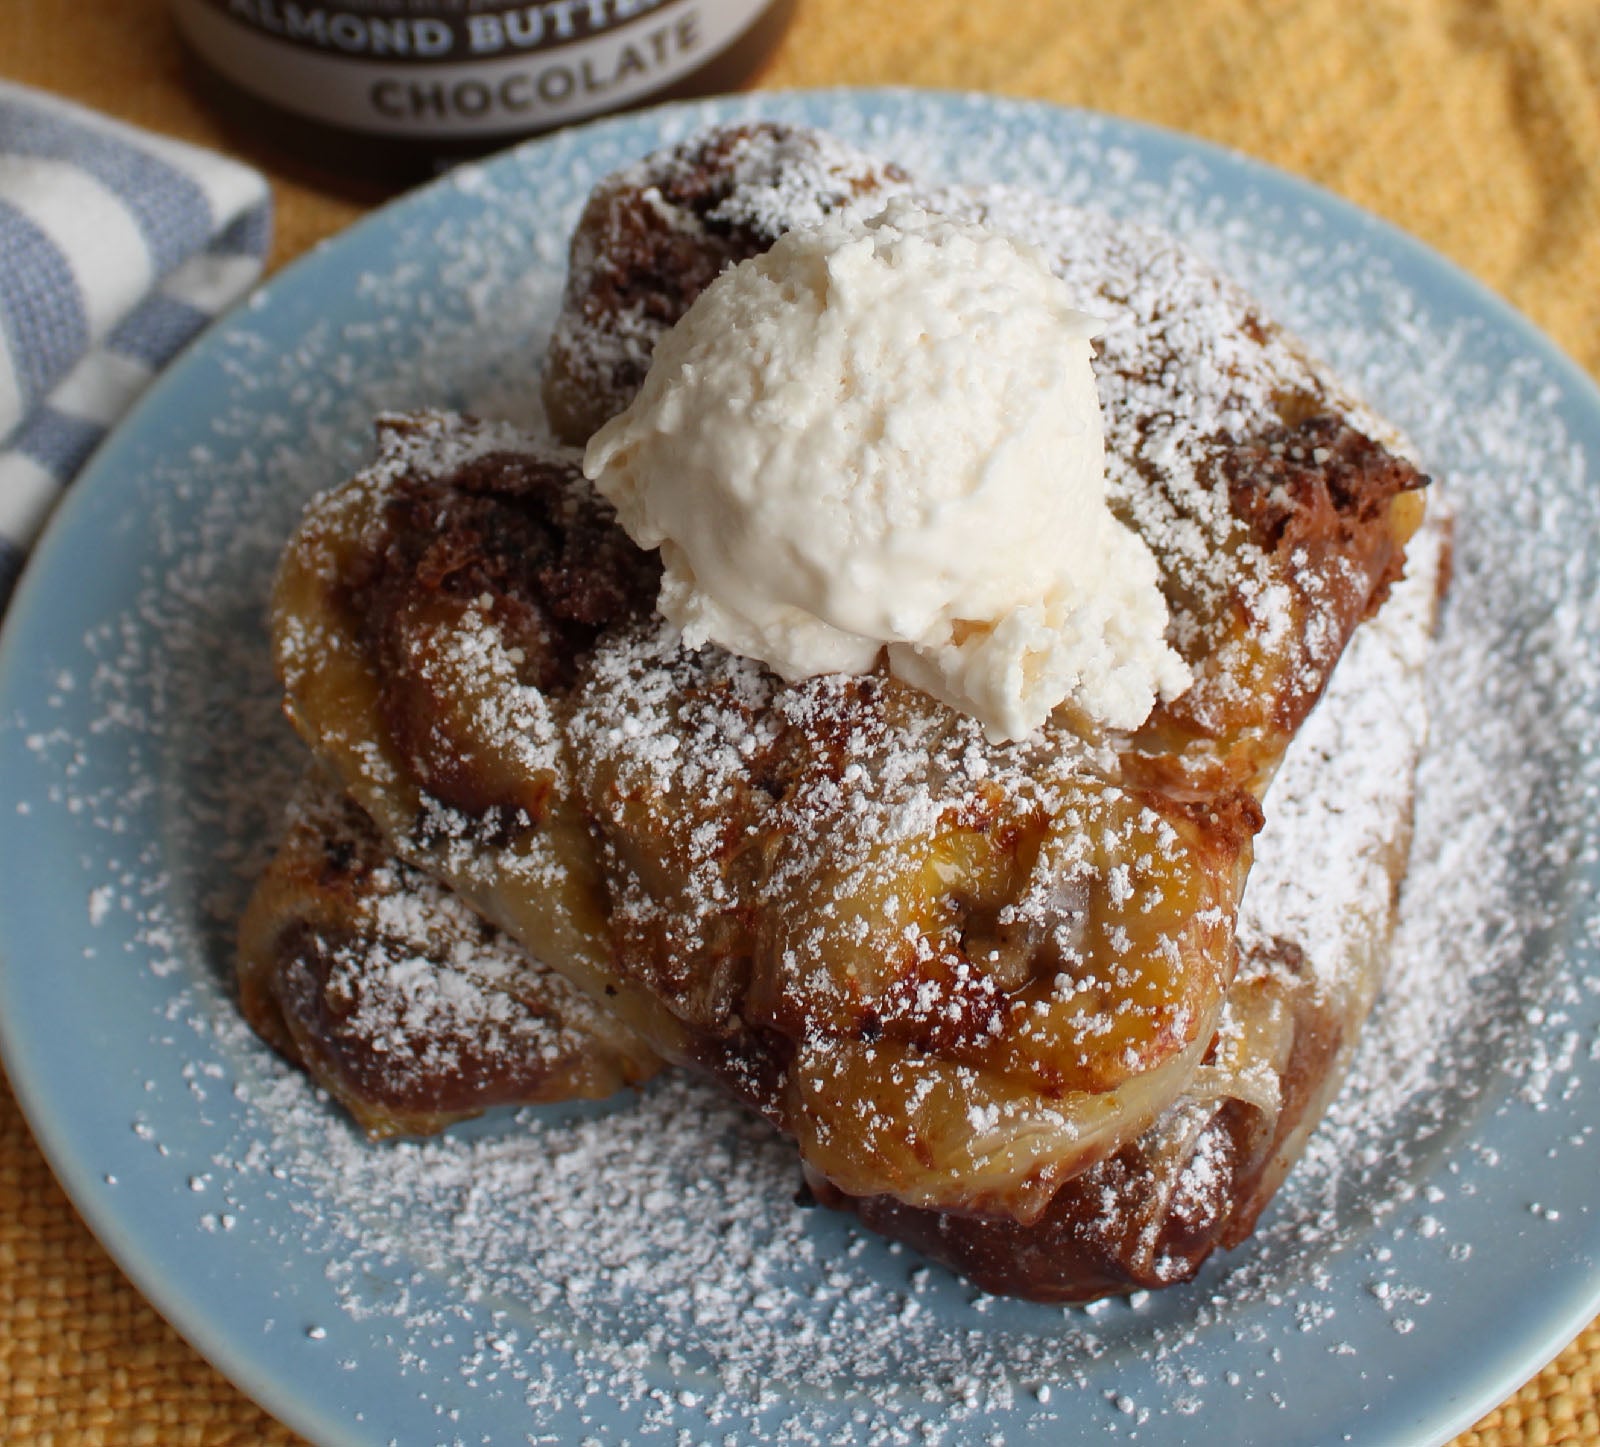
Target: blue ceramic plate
x=641, y=1272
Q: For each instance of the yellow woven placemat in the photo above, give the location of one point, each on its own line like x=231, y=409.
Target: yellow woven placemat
x=1474, y=124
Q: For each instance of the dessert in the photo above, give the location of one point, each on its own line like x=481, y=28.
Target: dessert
x=985, y=986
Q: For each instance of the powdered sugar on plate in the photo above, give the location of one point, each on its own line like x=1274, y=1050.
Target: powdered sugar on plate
x=640, y=1271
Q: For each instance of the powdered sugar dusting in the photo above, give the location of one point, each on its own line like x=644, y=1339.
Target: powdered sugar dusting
x=641, y=1272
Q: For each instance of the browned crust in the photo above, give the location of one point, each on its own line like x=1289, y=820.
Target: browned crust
x=1332, y=504
x=1150, y=1215
x=507, y=528
x=311, y=953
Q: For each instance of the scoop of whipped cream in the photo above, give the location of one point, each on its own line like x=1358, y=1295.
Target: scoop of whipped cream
x=883, y=436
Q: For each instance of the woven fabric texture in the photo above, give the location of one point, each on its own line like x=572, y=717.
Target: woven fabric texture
x=1473, y=124
x=117, y=246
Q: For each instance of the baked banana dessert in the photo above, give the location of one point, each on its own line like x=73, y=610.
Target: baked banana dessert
x=985, y=986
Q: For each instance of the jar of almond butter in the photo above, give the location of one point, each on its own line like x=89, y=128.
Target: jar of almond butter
x=389, y=91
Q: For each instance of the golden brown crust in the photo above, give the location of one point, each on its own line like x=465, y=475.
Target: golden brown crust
x=1149, y=1215
x=410, y=1011
x=512, y=528
x=1331, y=512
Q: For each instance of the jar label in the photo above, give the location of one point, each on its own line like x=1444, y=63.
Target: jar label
x=486, y=70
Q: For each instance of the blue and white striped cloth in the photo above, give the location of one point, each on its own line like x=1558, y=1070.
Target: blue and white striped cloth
x=116, y=247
